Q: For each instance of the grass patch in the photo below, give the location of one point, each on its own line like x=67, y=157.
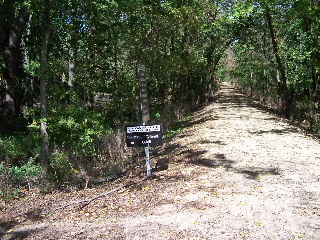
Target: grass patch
x=177, y=128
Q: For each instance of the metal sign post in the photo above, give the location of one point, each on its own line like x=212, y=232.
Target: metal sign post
x=147, y=151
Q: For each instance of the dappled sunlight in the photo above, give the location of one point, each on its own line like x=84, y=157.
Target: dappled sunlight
x=231, y=168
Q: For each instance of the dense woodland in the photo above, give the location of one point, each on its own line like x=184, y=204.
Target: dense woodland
x=69, y=84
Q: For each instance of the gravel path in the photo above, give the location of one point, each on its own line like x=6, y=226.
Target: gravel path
x=270, y=173
x=237, y=172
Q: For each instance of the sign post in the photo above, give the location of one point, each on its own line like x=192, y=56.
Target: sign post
x=145, y=136
x=147, y=151
x=144, y=108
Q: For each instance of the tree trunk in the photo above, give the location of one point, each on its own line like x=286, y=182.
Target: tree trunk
x=67, y=85
x=43, y=88
x=11, y=28
x=72, y=66
x=286, y=97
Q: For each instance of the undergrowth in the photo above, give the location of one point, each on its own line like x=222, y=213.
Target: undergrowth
x=83, y=148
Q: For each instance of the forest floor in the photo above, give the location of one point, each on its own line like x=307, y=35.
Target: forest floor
x=237, y=171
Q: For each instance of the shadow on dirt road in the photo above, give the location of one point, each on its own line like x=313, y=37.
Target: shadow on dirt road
x=236, y=171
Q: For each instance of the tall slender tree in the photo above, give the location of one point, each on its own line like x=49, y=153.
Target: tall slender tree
x=43, y=85
x=287, y=99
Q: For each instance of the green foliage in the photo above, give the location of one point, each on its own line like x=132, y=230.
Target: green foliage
x=13, y=179
x=18, y=163
x=33, y=68
x=75, y=130
x=178, y=127
x=95, y=47
x=18, y=148
x=60, y=167
x=26, y=175
x=92, y=87
x=256, y=68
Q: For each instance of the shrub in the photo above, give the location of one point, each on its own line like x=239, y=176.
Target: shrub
x=14, y=178
x=60, y=167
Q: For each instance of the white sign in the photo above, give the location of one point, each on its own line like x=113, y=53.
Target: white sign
x=142, y=128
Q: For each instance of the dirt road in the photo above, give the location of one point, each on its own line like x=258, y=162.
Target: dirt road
x=236, y=172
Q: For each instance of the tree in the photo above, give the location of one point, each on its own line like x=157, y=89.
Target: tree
x=13, y=20
x=268, y=29
x=43, y=86
x=287, y=99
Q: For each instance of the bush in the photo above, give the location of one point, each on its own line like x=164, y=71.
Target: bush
x=60, y=167
x=29, y=174
x=18, y=149
x=14, y=178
